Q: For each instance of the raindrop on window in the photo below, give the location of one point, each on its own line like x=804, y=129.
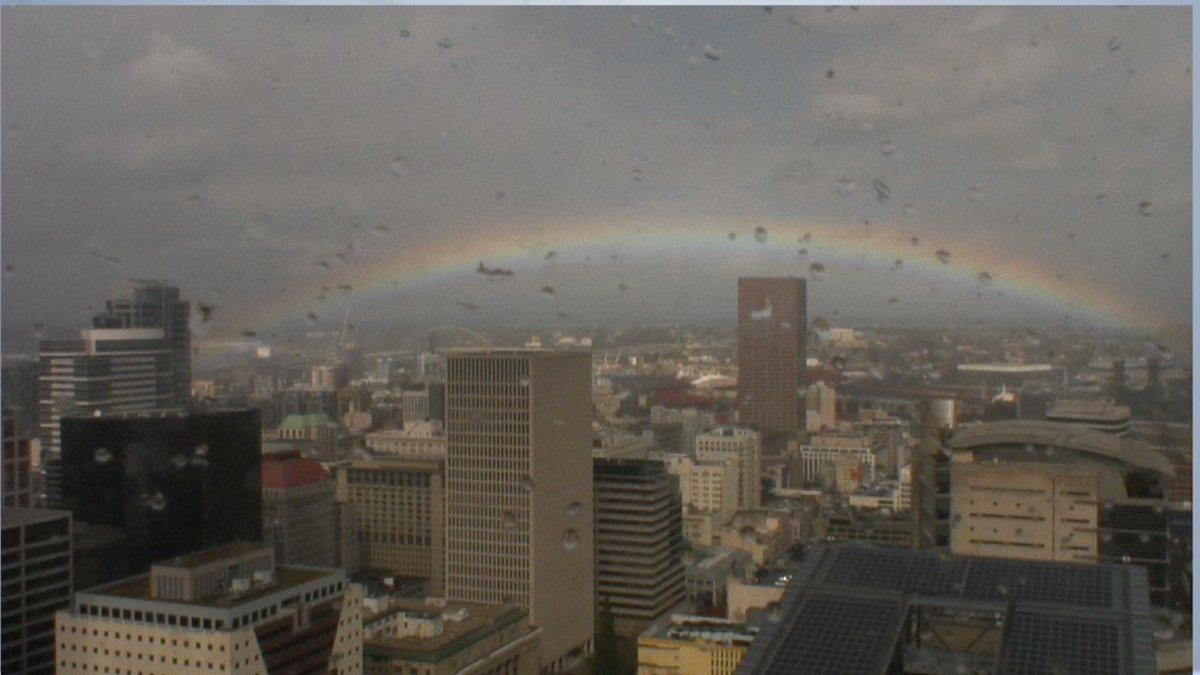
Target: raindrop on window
x=637, y=174
x=943, y=256
x=312, y=319
x=1145, y=208
x=732, y=236
x=8, y=270
x=887, y=147
x=807, y=238
x=713, y=52
x=838, y=363
x=548, y=291
x=893, y=300
x=817, y=269
x=693, y=61
x=820, y=324
x=398, y=167
x=445, y=43
x=508, y=520
x=897, y=265
x=201, y=450
x=760, y=234
x=570, y=539
x=526, y=484
x=844, y=186
x=984, y=277
x=180, y=461
x=1113, y=44
x=803, y=252
x=102, y=455
x=974, y=193
x=404, y=33
x=882, y=191
x=574, y=509
x=829, y=74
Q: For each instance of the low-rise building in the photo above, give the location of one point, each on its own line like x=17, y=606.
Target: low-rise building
x=227, y=609
x=693, y=645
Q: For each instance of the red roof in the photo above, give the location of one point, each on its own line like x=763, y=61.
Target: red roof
x=287, y=470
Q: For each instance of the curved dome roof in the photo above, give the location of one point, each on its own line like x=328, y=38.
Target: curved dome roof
x=1069, y=436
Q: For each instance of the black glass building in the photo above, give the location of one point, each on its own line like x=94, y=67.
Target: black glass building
x=145, y=487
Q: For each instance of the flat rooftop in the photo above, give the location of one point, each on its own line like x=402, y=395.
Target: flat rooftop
x=138, y=588
x=482, y=621
x=15, y=516
x=846, y=612
x=210, y=555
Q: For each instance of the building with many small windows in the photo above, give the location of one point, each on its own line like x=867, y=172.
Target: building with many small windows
x=298, y=509
x=36, y=578
x=398, y=505
x=743, y=447
x=17, y=488
x=223, y=610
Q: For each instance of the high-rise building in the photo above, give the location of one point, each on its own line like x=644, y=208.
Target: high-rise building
x=639, y=540
x=298, y=509
x=228, y=609
x=398, y=503
x=105, y=371
x=143, y=303
x=772, y=327
x=17, y=489
x=37, y=583
x=744, y=448
x=151, y=487
x=820, y=406
x=519, y=489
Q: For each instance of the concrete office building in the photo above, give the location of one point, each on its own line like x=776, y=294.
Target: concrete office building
x=298, y=510
x=519, y=489
x=414, y=406
x=144, y=488
x=706, y=487
x=1055, y=491
x=820, y=407
x=398, y=506
x=228, y=609
x=36, y=579
x=17, y=464
x=690, y=423
x=1103, y=416
x=817, y=461
x=418, y=440
x=639, y=540
x=744, y=448
x=772, y=349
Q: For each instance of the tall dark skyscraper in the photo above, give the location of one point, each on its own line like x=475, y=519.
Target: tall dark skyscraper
x=772, y=323
x=145, y=487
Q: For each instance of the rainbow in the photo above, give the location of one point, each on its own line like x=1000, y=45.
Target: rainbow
x=434, y=262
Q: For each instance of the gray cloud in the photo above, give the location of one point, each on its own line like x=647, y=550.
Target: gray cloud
x=221, y=146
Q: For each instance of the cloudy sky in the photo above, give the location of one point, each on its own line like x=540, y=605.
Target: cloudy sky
x=282, y=162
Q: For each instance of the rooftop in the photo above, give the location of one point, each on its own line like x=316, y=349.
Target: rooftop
x=847, y=608
x=15, y=516
x=482, y=621
x=305, y=421
x=1069, y=436
x=1089, y=410
x=287, y=576
x=208, y=555
x=288, y=469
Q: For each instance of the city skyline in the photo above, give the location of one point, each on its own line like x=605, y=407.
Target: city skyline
x=624, y=164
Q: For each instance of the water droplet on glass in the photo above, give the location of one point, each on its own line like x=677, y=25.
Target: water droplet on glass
x=817, y=269
x=943, y=256
x=404, y=33
x=887, y=147
x=807, y=238
x=548, y=291
x=8, y=270
x=1144, y=538
x=984, y=277
x=192, y=200
x=201, y=450
x=445, y=43
x=570, y=539
x=180, y=461
x=398, y=167
x=829, y=74
x=1113, y=44
x=693, y=61
x=732, y=236
x=893, y=300
x=508, y=520
x=1145, y=208
x=157, y=501
x=910, y=210
x=882, y=191
x=820, y=324
x=838, y=363
x=102, y=455
x=638, y=174
x=803, y=252
x=713, y=52
x=974, y=193
x=526, y=484
x=574, y=509
x=747, y=534
x=312, y=319
x=760, y=234
x=199, y=461
x=844, y=186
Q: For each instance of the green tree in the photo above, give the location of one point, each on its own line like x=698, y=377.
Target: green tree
x=607, y=661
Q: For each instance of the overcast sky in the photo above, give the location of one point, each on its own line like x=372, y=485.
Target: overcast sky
x=232, y=150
